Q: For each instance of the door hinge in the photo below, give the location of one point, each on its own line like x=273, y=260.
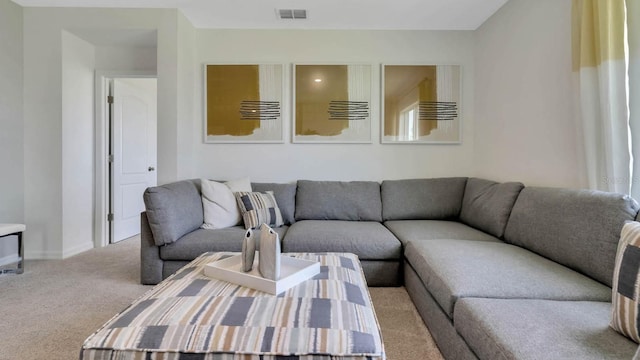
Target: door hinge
x=110, y=158
x=110, y=99
x=109, y=217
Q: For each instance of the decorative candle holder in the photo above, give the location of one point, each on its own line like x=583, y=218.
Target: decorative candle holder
x=248, y=251
x=269, y=254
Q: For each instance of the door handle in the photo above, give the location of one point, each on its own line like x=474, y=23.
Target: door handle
x=151, y=168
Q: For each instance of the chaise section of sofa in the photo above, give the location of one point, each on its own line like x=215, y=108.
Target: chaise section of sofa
x=531, y=329
x=492, y=300
x=456, y=269
x=334, y=216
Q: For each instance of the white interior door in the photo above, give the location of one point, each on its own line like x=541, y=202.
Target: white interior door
x=133, y=168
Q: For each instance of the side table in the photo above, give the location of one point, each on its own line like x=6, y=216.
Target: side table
x=11, y=230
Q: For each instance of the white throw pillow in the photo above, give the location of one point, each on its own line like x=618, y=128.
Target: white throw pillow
x=219, y=203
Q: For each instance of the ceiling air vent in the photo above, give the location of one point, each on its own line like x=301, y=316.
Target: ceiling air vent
x=292, y=14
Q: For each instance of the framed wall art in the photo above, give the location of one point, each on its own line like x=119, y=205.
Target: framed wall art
x=243, y=103
x=331, y=103
x=421, y=104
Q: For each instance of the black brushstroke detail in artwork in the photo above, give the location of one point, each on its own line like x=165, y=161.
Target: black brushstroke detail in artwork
x=438, y=110
x=259, y=110
x=348, y=110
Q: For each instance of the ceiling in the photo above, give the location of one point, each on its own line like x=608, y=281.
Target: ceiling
x=325, y=14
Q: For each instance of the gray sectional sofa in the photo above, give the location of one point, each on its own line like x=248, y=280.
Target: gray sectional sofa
x=496, y=270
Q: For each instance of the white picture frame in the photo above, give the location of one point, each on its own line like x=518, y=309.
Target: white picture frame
x=243, y=103
x=331, y=103
x=421, y=104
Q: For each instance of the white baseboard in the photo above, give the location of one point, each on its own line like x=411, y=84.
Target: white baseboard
x=57, y=255
x=87, y=245
x=42, y=255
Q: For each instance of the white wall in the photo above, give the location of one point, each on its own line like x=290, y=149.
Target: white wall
x=126, y=58
x=48, y=180
x=78, y=64
x=42, y=136
x=516, y=104
x=188, y=81
x=287, y=162
x=11, y=131
x=524, y=123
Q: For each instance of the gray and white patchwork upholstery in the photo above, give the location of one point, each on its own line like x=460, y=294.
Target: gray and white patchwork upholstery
x=192, y=316
x=258, y=208
x=626, y=283
x=285, y=197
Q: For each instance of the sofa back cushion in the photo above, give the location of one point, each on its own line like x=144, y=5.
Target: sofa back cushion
x=577, y=228
x=285, y=195
x=486, y=204
x=336, y=200
x=422, y=199
x=173, y=210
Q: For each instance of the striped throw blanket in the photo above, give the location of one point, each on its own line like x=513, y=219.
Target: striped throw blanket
x=190, y=316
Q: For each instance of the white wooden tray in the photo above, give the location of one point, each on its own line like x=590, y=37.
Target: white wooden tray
x=292, y=272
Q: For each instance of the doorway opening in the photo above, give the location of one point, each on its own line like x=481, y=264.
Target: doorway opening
x=126, y=148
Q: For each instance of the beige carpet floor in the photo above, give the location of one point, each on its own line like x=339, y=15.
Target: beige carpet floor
x=47, y=312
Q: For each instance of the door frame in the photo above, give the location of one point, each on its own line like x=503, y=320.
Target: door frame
x=101, y=183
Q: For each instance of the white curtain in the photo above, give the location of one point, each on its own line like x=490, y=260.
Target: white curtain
x=599, y=60
x=633, y=60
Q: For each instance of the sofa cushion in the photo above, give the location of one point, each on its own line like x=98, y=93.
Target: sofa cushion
x=422, y=199
x=173, y=210
x=285, y=197
x=367, y=239
x=336, y=200
x=626, y=283
x=539, y=329
x=200, y=241
x=419, y=230
x=486, y=204
x=259, y=208
x=577, y=228
x=454, y=269
x=219, y=204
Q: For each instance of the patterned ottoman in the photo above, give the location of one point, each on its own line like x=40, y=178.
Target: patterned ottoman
x=191, y=316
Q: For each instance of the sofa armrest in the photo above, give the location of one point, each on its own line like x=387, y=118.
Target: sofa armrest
x=150, y=262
